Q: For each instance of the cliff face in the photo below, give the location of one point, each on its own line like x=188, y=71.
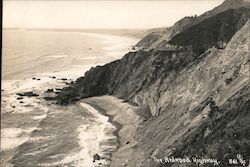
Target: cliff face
x=214, y=31
x=197, y=92
x=204, y=110
x=165, y=35
x=124, y=78
x=137, y=71
x=188, y=22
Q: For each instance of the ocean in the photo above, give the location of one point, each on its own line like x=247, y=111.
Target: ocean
x=35, y=132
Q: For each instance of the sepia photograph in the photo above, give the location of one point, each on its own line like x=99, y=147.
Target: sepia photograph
x=125, y=83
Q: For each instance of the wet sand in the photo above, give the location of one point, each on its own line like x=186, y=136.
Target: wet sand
x=123, y=116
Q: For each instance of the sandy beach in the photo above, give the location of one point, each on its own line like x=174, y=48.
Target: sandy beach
x=126, y=121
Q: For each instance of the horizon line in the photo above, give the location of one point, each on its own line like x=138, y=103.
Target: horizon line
x=50, y=28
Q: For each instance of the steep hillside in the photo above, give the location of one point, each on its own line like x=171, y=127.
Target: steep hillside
x=149, y=39
x=188, y=22
x=165, y=35
x=126, y=77
x=199, y=104
x=136, y=71
x=215, y=31
x=197, y=93
x=204, y=111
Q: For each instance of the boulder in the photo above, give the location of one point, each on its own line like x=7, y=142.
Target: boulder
x=96, y=157
x=28, y=94
x=49, y=90
x=47, y=98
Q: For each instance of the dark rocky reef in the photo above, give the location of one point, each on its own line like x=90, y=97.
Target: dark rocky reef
x=28, y=94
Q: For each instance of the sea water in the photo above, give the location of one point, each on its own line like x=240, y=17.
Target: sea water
x=38, y=133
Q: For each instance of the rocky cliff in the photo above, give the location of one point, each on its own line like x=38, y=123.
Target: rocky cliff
x=197, y=92
x=164, y=35
x=219, y=30
x=204, y=111
x=136, y=71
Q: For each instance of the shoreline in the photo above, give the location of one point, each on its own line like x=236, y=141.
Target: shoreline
x=39, y=83
x=123, y=116
x=117, y=125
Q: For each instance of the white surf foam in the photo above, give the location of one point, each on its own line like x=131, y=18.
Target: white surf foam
x=80, y=158
x=11, y=143
x=14, y=137
x=39, y=117
x=37, y=152
x=89, y=138
x=57, y=56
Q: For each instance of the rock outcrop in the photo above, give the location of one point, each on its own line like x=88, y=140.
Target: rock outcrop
x=28, y=94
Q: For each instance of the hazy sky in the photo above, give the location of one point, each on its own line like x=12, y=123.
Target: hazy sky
x=101, y=14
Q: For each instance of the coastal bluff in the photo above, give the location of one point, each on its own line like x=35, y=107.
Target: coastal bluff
x=197, y=91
